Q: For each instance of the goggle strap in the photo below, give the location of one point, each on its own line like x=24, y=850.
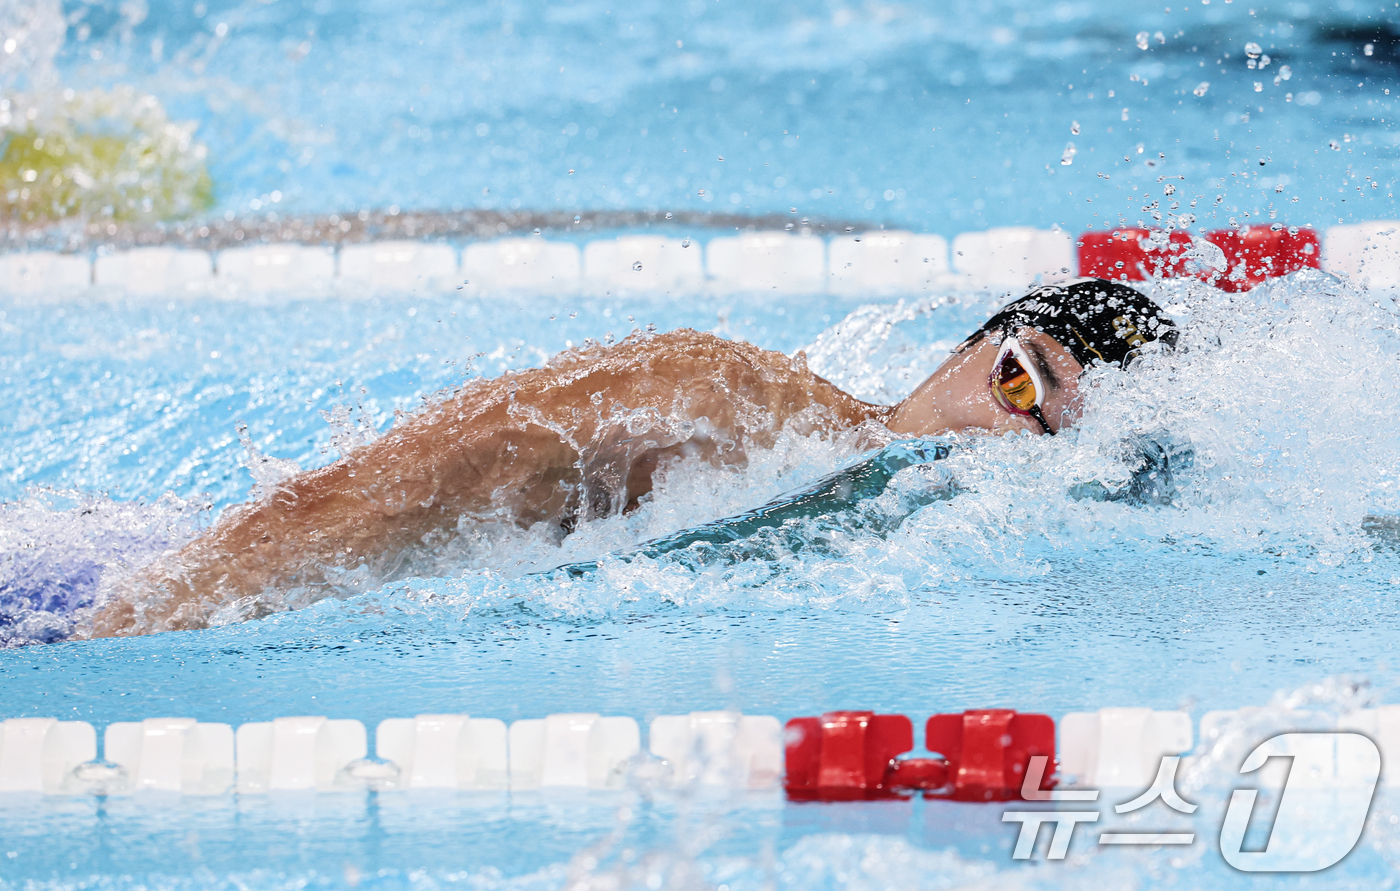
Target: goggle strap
x=1039, y=415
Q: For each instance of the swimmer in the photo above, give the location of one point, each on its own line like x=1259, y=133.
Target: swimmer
x=583, y=436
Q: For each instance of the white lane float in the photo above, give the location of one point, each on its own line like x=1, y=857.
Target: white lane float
x=40, y=754
x=275, y=267
x=584, y=751
x=304, y=753
x=171, y=755
x=647, y=263
x=720, y=749
x=399, y=265
x=445, y=752
x=154, y=270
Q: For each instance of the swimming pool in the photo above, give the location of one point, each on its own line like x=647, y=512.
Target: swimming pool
x=1269, y=579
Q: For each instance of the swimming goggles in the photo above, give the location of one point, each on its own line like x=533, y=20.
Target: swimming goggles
x=1016, y=385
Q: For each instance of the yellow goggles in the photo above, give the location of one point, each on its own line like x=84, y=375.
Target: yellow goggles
x=1016, y=385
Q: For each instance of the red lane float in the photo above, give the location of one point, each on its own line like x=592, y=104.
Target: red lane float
x=982, y=755
x=1256, y=253
x=988, y=750
x=844, y=755
x=1130, y=255
x=1253, y=254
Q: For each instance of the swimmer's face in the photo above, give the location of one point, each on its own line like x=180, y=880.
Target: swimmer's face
x=957, y=398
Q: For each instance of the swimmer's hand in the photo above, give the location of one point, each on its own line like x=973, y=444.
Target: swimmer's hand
x=832, y=496
x=1156, y=460
x=149, y=600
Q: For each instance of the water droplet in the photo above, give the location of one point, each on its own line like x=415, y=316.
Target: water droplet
x=1253, y=50
x=1074, y=128
x=1334, y=145
x=637, y=266
x=1285, y=72
x=1201, y=88
x=685, y=242
x=1258, y=87
x=668, y=214
x=1142, y=38
x=1067, y=156
x=1369, y=49
x=721, y=157
x=1169, y=189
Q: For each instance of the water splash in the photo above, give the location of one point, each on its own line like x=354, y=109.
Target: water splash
x=59, y=548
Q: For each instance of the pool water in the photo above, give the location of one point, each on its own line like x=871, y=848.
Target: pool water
x=1269, y=580
x=1258, y=580
x=942, y=117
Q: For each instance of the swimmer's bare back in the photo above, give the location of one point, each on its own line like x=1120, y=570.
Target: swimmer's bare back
x=578, y=438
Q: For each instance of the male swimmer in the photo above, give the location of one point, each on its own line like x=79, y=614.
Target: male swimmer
x=583, y=436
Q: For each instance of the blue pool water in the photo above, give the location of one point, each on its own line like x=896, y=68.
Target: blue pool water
x=1271, y=577
x=943, y=117
x=1259, y=579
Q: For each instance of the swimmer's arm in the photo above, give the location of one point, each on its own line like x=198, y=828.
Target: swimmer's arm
x=370, y=508
x=834, y=494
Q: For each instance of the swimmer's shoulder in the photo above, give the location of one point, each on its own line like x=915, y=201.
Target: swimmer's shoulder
x=702, y=346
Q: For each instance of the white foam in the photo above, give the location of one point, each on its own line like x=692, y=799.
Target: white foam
x=767, y=261
x=1382, y=725
x=1321, y=757
x=154, y=270
x=404, y=265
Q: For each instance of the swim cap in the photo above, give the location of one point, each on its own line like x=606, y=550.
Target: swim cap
x=1092, y=318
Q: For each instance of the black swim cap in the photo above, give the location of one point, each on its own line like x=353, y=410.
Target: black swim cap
x=1092, y=318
